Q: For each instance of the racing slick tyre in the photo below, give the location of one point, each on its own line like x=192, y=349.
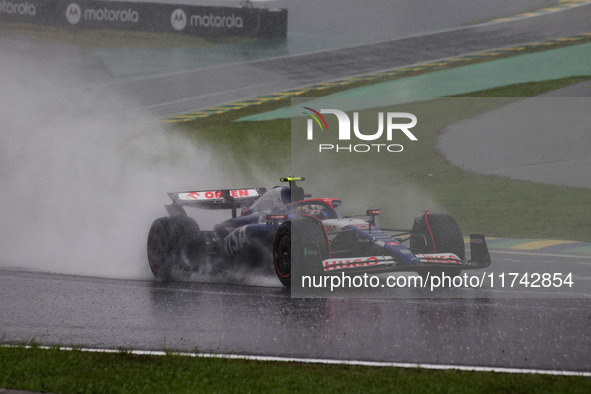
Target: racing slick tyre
x=301, y=244
x=176, y=247
x=437, y=233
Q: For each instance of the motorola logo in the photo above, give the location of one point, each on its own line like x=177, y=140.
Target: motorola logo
x=178, y=19
x=73, y=13
x=10, y=8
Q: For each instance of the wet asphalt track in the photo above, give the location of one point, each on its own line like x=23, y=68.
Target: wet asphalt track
x=538, y=333
x=552, y=128
x=545, y=333
x=187, y=91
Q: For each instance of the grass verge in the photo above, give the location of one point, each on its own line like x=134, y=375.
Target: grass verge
x=60, y=371
x=493, y=205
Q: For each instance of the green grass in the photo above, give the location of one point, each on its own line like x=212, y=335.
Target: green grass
x=61, y=371
x=492, y=205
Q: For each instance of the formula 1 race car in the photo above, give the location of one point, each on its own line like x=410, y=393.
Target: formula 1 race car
x=283, y=228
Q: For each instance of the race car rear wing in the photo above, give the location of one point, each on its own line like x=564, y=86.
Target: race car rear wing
x=213, y=199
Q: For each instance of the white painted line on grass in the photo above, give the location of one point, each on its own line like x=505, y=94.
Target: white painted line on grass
x=469, y=368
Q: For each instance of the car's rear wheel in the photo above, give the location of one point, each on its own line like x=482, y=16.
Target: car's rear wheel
x=301, y=244
x=176, y=247
x=437, y=233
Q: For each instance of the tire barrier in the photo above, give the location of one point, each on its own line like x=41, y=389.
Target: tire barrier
x=200, y=21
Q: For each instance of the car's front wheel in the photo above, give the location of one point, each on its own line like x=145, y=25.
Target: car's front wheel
x=437, y=233
x=302, y=243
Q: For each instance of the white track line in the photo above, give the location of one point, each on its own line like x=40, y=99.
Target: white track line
x=471, y=368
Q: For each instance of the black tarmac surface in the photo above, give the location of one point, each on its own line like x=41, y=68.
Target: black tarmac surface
x=536, y=330
x=542, y=139
x=187, y=91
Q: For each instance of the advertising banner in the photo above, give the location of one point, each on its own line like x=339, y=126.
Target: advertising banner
x=28, y=11
x=199, y=21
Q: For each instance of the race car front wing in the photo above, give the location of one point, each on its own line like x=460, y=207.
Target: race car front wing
x=479, y=258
